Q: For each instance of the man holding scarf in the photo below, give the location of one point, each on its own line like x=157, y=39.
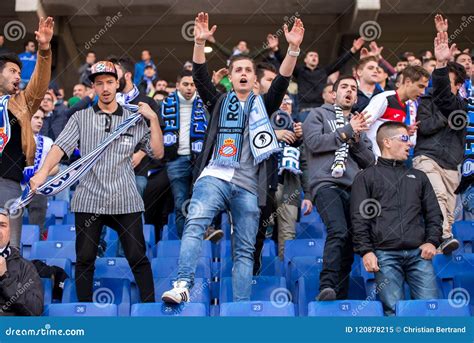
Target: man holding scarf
x=17, y=143
x=336, y=149
x=185, y=118
x=107, y=194
x=232, y=170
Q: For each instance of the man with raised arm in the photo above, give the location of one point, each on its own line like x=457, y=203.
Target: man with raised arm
x=232, y=169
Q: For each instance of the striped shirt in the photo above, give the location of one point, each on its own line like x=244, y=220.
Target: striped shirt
x=109, y=187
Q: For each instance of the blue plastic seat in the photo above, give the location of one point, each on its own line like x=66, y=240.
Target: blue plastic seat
x=105, y=291
x=171, y=249
x=345, y=308
x=463, y=231
x=313, y=217
x=113, y=267
x=62, y=233
x=53, y=249
x=111, y=239
x=446, y=267
x=268, y=250
x=167, y=267
x=29, y=235
x=149, y=234
x=256, y=309
x=464, y=289
x=166, y=310
x=303, y=247
x=313, y=230
x=82, y=310
x=264, y=288
x=300, y=266
x=69, y=219
x=169, y=233
x=271, y=266
x=430, y=308
x=200, y=293
x=58, y=209
x=48, y=290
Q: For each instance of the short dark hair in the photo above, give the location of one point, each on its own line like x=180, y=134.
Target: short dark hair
x=28, y=41
x=127, y=65
x=426, y=60
x=458, y=71
x=241, y=57
x=386, y=130
x=91, y=52
x=460, y=54
x=343, y=77
x=9, y=57
x=415, y=73
x=402, y=59
x=261, y=67
x=184, y=73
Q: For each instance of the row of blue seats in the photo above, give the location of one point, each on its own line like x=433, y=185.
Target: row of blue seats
x=343, y=308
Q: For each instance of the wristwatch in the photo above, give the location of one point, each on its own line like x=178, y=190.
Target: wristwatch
x=294, y=53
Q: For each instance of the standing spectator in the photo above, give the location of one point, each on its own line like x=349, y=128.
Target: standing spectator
x=79, y=90
x=85, y=69
x=466, y=61
x=28, y=59
x=232, y=168
x=328, y=94
x=367, y=75
x=17, y=146
x=311, y=77
x=146, y=86
x=140, y=66
x=336, y=149
x=396, y=221
x=429, y=64
x=390, y=105
x=160, y=85
x=39, y=204
x=21, y=290
x=440, y=140
x=54, y=121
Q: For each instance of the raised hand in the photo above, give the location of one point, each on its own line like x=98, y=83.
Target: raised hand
x=44, y=33
x=440, y=23
x=295, y=36
x=375, y=50
x=201, y=28
x=442, y=51
x=272, y=42
x=217, y=76
x=357, y=44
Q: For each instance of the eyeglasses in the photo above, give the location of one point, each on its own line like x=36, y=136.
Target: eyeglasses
x=287, y=101
x=403, y=138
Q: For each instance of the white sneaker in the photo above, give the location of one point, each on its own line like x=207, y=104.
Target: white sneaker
x=177, y=295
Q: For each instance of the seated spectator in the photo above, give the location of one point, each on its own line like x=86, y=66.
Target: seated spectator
x=396, y=221
x=54, y=121
x=21, y=291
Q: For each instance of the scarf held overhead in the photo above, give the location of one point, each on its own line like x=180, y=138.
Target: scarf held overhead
x=230, y=135
x=79, y=168
x=170, y=115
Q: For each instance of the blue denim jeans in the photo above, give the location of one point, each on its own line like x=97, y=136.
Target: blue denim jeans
x=141, y=182
x=211, y=196
x=399, y=266
x=180, y=174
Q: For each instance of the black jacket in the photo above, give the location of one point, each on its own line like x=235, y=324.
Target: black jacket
x=267, y=173
x=441, y=132
x=394, y=208
x=21, y=291
x=363, y=100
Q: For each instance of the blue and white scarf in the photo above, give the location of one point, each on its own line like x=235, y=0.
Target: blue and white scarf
x=289, y=157
x=170, y=115
x=29, y=171
x=126, y=98
x=77, y=169
x=5, y=130
x=230, y=133
x=467, y=169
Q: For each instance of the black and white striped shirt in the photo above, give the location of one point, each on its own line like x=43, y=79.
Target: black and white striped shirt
x=109, y=187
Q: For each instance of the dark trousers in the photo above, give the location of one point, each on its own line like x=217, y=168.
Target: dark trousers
x=333, y=204
x=130, y=231
x=265, y=214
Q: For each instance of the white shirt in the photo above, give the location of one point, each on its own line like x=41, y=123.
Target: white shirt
x=185, y=111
